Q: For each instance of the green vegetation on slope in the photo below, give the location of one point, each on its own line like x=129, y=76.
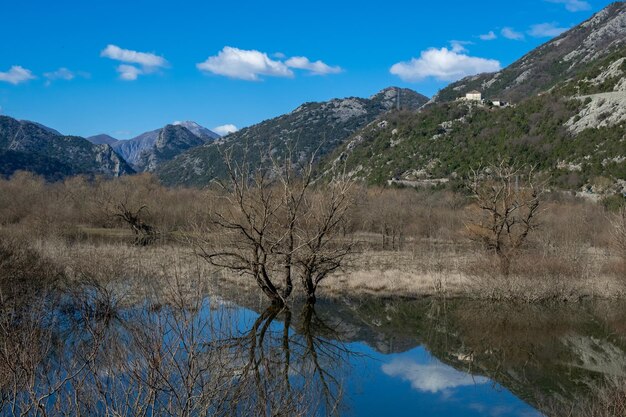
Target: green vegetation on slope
x=448, y=139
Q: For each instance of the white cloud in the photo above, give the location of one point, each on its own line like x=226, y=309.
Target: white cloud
x=433, y=378
x=510, y=33
x=16, y=75
x=316, y=68
x=546, y=30
x=129, y=72
x=459, y=46
x=488, y=36
x=143, y=62
x=224, y=130
x=244, y=64
x=443, y=64
x=133, y=57
x=60, y=74
x=573, y=5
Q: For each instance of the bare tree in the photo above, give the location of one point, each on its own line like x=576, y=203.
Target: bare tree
x=145, y=234
x=322, y=246
x=274, y=225
x=506, y=204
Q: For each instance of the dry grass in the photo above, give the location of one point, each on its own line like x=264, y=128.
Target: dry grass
x=409, y=243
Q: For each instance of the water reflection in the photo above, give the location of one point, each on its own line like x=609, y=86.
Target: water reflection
x=89, y=351
x=82, y=353
x=430, y=377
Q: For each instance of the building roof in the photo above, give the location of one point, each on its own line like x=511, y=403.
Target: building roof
x=474, y=92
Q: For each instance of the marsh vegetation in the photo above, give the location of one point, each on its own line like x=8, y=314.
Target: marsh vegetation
x=124, y=297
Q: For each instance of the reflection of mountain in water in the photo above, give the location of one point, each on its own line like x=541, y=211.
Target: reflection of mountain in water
x=231, y=355
x=559, y=353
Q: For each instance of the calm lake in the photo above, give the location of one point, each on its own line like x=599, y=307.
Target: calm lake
x=234, y=355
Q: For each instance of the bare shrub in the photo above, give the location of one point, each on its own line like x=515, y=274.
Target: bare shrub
x=23, y=271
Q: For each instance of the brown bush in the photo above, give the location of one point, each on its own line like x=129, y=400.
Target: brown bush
x=23, y=271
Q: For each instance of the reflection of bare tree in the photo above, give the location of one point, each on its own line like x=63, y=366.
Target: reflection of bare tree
x=81, y=353
x=285, y=371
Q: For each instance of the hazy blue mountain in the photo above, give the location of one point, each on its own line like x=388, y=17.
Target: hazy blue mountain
x=146, y=151
x=32, y=147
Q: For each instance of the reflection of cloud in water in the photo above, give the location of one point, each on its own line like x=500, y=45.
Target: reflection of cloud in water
x=435, y=377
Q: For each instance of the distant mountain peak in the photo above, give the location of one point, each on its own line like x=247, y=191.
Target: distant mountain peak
x=102, y=139
x=146, y=151
x=197, y=130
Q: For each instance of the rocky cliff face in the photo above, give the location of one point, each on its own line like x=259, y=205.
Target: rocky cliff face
x=170, y=141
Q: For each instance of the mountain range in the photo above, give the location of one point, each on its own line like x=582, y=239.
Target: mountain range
x=316, y=127
x=567, y=116
x=29, y=146
x=146, y=151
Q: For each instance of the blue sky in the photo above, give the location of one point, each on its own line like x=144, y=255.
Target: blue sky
x=125, y=67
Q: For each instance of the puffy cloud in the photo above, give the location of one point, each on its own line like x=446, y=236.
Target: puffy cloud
x=224, y=130
x=443, y=64
x=510, y=33
x=142, y=62
x=133, y=57
x=488, y=36
x=251, y=65
x=244, y=65
x=433, y=378
x=129, y=72
x=459, y=46
x=16, y=75
x=546, y=30
x=316, y=68
x=573, y=5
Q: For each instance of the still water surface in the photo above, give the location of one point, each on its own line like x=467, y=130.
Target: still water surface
x=232, y=355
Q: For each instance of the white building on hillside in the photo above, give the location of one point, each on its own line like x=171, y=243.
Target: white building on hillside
x=474, y=96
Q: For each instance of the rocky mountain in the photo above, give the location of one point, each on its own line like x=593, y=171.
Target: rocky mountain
x=572, y=126
x=313, y=127
x=32, y=147
x=102, y=140
x=198, y=130
x=562, y=58
x=149, y=149
x=170, y=142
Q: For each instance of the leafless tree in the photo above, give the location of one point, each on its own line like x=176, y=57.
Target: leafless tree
x=507, y=199
x=275, y=225
x=145, y=234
